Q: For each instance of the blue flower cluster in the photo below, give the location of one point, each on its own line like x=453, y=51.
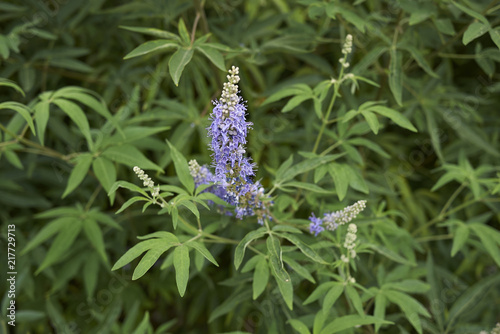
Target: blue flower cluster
x=333, y=219
x=233, y=170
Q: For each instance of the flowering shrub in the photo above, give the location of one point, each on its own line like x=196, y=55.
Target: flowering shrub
x=250, y=167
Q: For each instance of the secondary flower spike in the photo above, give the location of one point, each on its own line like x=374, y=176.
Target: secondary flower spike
x=332, y=220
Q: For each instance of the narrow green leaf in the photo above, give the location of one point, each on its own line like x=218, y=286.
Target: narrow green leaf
x=129, y=155
x=230, y=303
x=408, y=285
x=394, y=116
x=460, y=238
x=90, y=274
x=379, y=311
x=11, y=84
x=495, y=36
x=470, y=12
x=131, y=201
x=177, y=62
x=200, y=248
x=78, y=173
x=41, y=118
x=340, y=178
x=372, y=120
x=137, y=250
x=475, y=30
x=181, y=265
x=419, y=58
x=47, y=231
x=299, y=326
x=105, y=172
x=295, y=89
x=307, y=165
x=260, y=277
x=307, y=186
x=60, y=245
x=319, y=292
x=332, y=295
x=490, y=239
x=94, y=235
x=304, y=248
x=149, y=259
x=126, y=185
x=151, y=46
x=77, y=116
x=23, y=110
x=353, y=296
x=152, y=32
x=351, y=321
x=142, y=328
x=299, y=269
x=396, y=76
x=181, y=168
x=470, y=298
x=183, y=32
x=247, y=239
x=295, y=101
x=213, y=55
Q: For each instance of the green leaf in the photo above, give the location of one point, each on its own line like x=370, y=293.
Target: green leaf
x=470, y=298
x=281, y=276
x=410, y=307
x=304, y=248
x=152, y=32
x=351, y=321
x=495, y=36
x=129, y=155
x=419, y=58
x=60, y=245
x=77, y=116
x=181, y=265
x=131, y=201
x=408, y=285
x=105, y=172
x=94, y=235
x=41, y=118
x=332, y=295
x=126, y=185
x=299, y=326
x=300, y=270
x=284, y=167
x=200, y=248
x=307, y=186
x=460, y=238
x=379, y=311
x=137, y=250
x=388, y=254
x=230, y=303
x=307, y=165
x=394, y=116
x=288, y=91
x=247, y=239
x=11, y=84
x=475, y=30
x=183, y=32
x=396, y=76
x=23, y=110
x=142, y=328
x=260, y=277
x=151, y=46
x=150, y=258
x=181, y=168
x=353, y=296
x=78, y=173
x=340, y=177
x=320, y=291
x=90, y=274
x=372, y=120
x=471, y=12
x=213, y=55
x=295, y=101
x=177, y=62
x=47, y=231
x=490, y=239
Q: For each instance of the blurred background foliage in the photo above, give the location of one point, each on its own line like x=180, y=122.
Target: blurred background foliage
x=432, y=195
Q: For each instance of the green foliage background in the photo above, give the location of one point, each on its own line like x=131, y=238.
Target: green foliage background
x=90, y=89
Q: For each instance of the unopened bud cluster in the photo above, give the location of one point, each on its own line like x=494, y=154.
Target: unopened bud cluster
x=147, y=181
x=350, y=240
x=229, y=97
x=346, y=50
